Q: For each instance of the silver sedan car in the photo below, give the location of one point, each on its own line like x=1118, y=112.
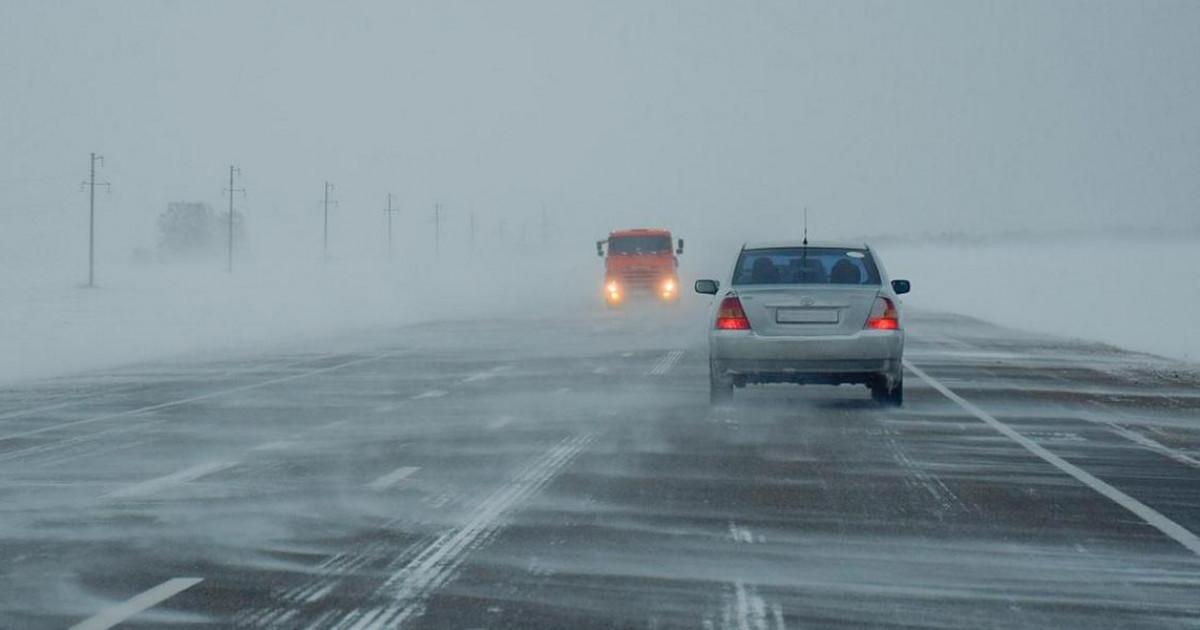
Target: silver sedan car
x=807, y=313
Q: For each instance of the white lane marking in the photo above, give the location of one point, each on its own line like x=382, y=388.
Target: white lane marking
x=393, y=478
x=500, y=422
x=750, y=610
x=626, y=355
x=600, y=370
x=185, y=401
x=173, y=479
x=561, y=391
x=665, y=363
x=1154, y=445
x=777, y=614
x=436, y=564
x=1153, y=517
x=485, y=376
x=335, y=424
x=127, y=609
x=433, y=393
x=740, y=534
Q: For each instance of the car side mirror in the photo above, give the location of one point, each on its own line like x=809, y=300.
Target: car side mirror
x=901, y=286
x=600, y=248
x=679, y=250
x=708, y=287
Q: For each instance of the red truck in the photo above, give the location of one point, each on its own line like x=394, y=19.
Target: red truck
x=640, y=262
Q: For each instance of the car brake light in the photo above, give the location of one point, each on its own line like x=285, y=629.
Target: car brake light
x=883, y=315
x=730, y=315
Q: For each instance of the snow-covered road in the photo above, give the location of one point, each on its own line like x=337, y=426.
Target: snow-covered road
x=571, y=473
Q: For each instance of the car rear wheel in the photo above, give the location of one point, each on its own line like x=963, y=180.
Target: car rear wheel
x=882, y=394
x=719, y=390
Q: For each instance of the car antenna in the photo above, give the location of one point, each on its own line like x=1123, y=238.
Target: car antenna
x=804, y=251
x=806, y=226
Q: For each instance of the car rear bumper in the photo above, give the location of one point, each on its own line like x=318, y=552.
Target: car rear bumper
x=745, y=357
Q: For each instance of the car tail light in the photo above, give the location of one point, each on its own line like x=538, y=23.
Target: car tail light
x=883, y=315
x=731, y=316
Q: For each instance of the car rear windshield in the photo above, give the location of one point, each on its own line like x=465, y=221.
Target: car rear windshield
x=806, y=265
x=639, y=244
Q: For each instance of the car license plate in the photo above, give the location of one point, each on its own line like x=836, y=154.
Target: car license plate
x=806, y=316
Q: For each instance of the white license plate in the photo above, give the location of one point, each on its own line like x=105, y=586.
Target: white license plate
x=806, y=316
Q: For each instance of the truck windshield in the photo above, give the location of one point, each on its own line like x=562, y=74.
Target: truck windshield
x=639, y=244
x=806, y=265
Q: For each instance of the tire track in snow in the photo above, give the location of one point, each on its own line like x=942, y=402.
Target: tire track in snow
x=665, y=364
x=409, y=587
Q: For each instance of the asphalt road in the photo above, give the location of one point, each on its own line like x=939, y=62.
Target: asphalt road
x=570, y=473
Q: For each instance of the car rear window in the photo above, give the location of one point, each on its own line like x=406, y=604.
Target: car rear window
x=806, y=265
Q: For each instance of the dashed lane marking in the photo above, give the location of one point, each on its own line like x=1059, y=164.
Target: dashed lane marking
x=143, y=601
x=1153, y=517
x=500, y=423
x=433, y=393
x=485, y=376
x=393, y=478
x=159, y=483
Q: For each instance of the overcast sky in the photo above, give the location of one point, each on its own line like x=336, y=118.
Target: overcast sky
x=880, y=116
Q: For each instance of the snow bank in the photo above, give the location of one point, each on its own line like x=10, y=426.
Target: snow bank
x=1138, y=293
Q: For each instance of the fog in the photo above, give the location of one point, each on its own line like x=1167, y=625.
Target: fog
x=548, y=124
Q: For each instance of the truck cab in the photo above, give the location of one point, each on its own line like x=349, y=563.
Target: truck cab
x=640, y=263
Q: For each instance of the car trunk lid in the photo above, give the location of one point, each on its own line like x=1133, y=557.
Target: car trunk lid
x=807, y=310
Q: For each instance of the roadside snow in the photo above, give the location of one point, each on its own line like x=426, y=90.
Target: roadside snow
x=138, y=313
x=1139, y=294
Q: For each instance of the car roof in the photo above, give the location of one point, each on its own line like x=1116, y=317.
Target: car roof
x=641, y=232
x=796, y=244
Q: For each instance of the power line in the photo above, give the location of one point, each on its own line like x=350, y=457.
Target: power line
x=232, y=193
x=91, y=184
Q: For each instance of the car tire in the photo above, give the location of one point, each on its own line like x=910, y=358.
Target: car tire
x=893, y=397
x=719, y=390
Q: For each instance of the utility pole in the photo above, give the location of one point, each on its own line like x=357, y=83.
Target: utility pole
x=390, y=212
x=437, y=229
x=325, y=247
x=91, y=184
x=232, y=191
